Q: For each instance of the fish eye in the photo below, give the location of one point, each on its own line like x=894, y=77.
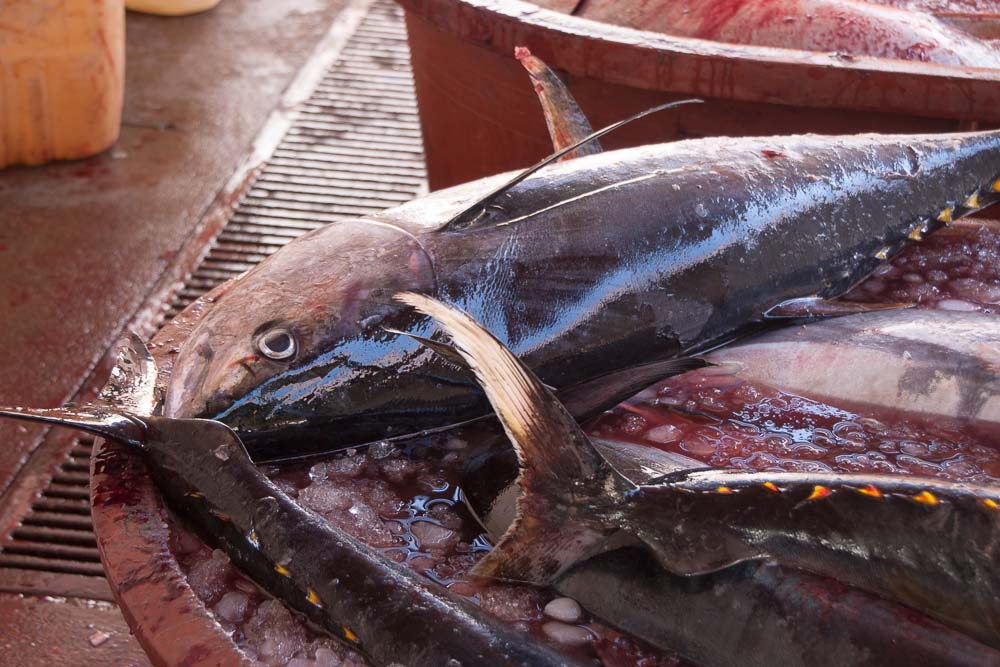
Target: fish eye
x=277, y=344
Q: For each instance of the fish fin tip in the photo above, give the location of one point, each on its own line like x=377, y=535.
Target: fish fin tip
x=547, y=439
x=819, y=307
x=97, y=420
x=564, y=119
x=592, y=397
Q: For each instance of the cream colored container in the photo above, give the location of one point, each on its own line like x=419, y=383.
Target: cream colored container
x=170, y=7
x=62, y=67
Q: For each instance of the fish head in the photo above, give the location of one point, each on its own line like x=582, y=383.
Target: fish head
x=281, y=340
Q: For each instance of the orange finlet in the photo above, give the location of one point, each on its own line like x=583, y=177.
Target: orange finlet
x=992, y=504
x=927, y=498
x=870, y=491
x=771, y=486
x=723, y=489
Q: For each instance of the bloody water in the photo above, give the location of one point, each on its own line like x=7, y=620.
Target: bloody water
x=407, y=503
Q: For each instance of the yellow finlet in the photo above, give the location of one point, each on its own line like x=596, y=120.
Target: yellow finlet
x=349, y=636
x=996, y=186
x=992, y=504
x=723, y=489
x=883, y=253
x=926, y=498
x=972, y=201
x=252, y=539
x=945, y=215
x=771, y=486
x=313, y=598
x=282, y=570
x=819, y=492
x=917, y=233
x=870, y=491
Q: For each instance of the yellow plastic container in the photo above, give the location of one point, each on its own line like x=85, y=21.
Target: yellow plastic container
x=170, y=7
x=62, y=68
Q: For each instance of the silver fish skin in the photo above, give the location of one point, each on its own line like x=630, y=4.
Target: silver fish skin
x=927, y=363
x=583, y=269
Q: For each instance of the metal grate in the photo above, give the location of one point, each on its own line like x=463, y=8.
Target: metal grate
x=56, y=535
x=353, y=148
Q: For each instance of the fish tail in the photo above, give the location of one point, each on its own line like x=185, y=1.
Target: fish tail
x=94, y=420
x=129, y=391
x=568, y=488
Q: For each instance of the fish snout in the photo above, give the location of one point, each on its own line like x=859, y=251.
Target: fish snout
x=204, y=385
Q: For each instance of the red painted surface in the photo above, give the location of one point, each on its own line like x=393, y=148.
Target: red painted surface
x=469, y=85
x=88, y=249
x=64, y=633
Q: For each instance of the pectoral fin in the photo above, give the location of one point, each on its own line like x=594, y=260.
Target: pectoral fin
x=591, y=398
x=443, y=349
x=814, y=306
x=567, y=485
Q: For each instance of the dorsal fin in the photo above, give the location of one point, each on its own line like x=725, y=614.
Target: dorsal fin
x=469, y=215
x=566, y=121
x=562, y=475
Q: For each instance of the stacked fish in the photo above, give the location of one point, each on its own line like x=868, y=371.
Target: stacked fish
x=527, y=303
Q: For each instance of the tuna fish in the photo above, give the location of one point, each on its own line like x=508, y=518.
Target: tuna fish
x=585, y=269
x=575, y=503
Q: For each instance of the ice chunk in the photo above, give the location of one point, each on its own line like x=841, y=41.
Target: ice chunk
x=347, y=466
x=207, y=577
x=568, y=635
x=233, y=606
x=956, y=304
x=566, y=610
x=275, y=634
x=381, y=449
x=663, y=434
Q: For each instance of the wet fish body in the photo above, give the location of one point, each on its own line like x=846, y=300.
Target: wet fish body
x=926, y=363
x=584, y=269
x=750, y=614
x=576, y=502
